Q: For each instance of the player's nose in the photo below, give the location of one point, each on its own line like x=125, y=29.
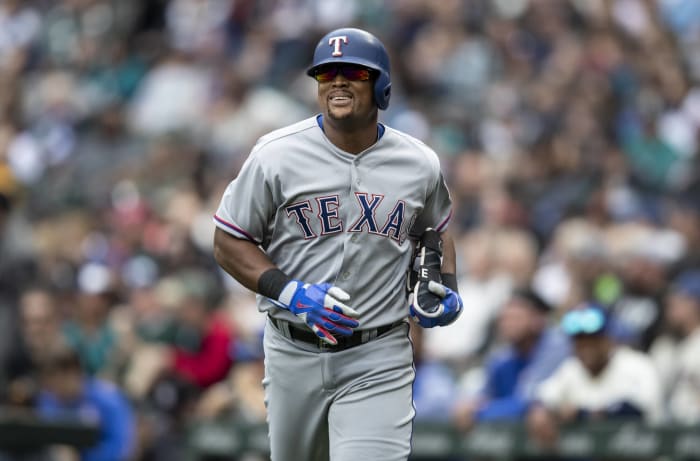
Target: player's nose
x=340, y=80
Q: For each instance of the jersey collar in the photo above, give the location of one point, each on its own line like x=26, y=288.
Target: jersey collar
x=380, y=127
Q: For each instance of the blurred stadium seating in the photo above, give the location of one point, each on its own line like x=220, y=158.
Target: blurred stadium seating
x=568, y=129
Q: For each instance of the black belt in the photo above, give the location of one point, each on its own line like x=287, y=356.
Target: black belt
x=298, y=333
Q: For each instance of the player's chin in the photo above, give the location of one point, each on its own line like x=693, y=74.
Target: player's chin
x=340, y=113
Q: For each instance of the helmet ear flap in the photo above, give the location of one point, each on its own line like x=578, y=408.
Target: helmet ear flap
x=382, y=91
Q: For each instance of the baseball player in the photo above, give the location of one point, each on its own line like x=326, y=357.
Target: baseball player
x=322, y=222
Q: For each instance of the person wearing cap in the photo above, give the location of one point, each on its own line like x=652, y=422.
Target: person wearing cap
x=531, y=352
x=676, y=354
x=602, y=380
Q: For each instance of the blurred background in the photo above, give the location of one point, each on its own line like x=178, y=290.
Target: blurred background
x=568, y=131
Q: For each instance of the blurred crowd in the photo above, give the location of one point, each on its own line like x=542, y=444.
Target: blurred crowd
x=568, y=131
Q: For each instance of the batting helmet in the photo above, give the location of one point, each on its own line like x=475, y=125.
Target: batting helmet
x=356, y=46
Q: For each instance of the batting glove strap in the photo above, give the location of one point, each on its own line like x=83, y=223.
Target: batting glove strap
x=447, y=311
x=322, y=308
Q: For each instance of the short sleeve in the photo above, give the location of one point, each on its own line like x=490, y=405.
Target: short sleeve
x=247, y=203
x=437, y=211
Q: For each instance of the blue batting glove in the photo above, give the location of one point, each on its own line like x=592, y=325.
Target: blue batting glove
x=322, y=307
x=446, y=312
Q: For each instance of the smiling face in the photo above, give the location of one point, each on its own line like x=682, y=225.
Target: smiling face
x=345, y=100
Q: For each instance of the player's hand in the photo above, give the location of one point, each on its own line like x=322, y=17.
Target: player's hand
x=444, y=313
x=322, y=307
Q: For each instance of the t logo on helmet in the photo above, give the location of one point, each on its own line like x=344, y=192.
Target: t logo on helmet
x=335, y=43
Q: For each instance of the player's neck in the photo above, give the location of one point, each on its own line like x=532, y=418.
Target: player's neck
x=350, y=139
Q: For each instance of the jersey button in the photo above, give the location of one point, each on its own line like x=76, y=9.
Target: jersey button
x=345, y=275
x=358, y=182
x=353, y=238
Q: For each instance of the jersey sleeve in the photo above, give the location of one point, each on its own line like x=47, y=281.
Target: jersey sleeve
x=437, y=211
x=247, y=203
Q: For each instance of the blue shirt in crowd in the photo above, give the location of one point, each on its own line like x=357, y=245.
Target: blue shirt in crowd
x=434, y=391
x=512, y=378
x=101, y=403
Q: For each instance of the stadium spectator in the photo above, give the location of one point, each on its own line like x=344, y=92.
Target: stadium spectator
x=204, y=338
x=68, y=393
x=677, y=353
x=40, y=339
x=643, y=258
x=601, y=381
x=88, y=330
x=531, y=351
x=200, y=344
x=574, y=258
x=240, y=395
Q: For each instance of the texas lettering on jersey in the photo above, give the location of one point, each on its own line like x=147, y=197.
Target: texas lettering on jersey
x=327, y=220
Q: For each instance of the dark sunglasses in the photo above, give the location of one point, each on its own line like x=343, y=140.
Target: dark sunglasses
x=351, y=73
x=586, y=321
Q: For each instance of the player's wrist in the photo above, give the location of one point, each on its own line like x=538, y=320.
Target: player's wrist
x=273, y=282
x=450, y=281
x=289, y=291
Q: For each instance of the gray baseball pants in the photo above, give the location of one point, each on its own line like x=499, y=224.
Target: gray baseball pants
x=354, y=404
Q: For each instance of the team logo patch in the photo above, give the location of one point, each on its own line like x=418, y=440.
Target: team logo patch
x=335, y=43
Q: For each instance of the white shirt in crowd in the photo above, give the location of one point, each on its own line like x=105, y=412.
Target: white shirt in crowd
x=630, y=376
x=678, y=363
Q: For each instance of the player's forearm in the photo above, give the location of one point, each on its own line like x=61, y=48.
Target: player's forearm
x=242, y=259
x=449, y=261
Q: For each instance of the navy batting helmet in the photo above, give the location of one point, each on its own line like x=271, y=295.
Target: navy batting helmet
x=356, y=46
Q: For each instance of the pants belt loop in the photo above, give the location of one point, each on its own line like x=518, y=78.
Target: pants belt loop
x=373, y=333
x=285, y=329
x=365, y=336
x=282, y=326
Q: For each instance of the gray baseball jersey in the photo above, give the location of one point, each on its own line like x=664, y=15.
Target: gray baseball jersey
x=324, y=215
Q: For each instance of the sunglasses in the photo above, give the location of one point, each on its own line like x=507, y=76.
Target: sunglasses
x=586, y=321
x=351, y=73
